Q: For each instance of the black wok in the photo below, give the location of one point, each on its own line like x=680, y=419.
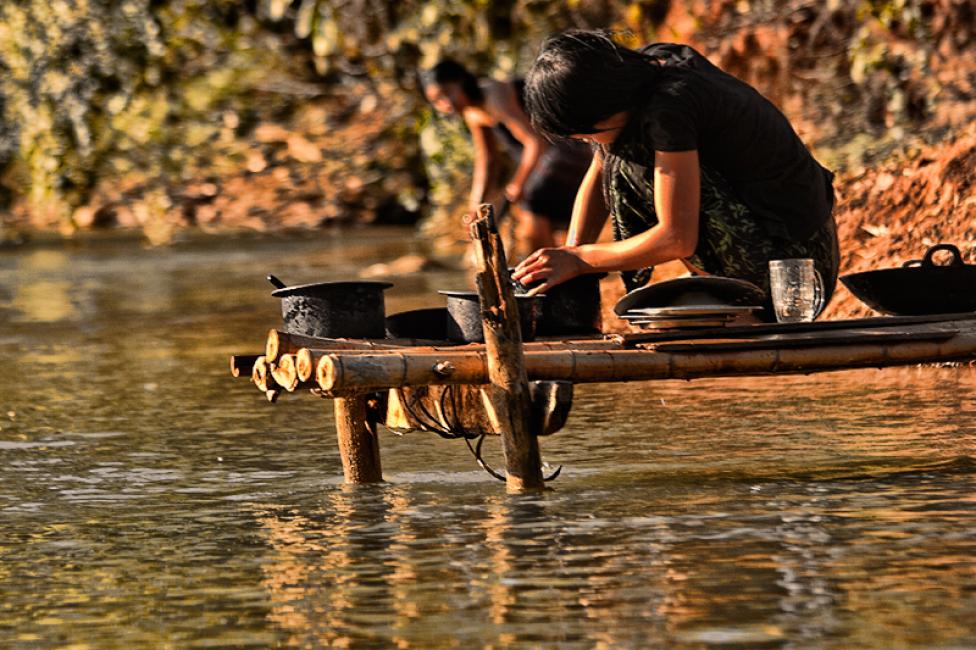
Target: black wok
x=919, y=287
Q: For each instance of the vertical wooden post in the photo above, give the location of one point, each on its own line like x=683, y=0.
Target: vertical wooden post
x=509, y=397
x=359, y=443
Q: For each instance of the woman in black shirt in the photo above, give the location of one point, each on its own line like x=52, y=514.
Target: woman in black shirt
x=694, y=165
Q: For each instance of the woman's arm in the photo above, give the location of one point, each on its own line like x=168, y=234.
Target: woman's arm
x=589, y=210
x=504, y=106
x=485, y=155
x=676, y=200
x=677, y=188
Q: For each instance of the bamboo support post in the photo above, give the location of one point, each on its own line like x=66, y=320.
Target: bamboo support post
x=510, y=400
x=337, y=372
x=358, y=441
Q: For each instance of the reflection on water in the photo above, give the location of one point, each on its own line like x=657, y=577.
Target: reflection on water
x=44, y=301
x=149, y=500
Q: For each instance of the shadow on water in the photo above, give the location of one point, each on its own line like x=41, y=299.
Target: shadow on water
x=148, y=499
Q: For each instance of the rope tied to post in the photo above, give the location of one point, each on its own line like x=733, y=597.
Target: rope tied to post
x=447, y=421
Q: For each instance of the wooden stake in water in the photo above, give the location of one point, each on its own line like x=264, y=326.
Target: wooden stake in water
x=359, y=444
x=510, y=401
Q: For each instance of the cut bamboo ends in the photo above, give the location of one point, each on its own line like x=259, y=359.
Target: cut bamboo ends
x=284, y=373
x=241, y=365
x=262, y=378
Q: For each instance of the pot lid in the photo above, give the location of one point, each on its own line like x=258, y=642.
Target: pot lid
x=315, y=287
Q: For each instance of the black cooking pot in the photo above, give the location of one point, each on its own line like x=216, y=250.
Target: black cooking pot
x=572, y=307
x=919, y=287
x=348, y=310
x=464, y=316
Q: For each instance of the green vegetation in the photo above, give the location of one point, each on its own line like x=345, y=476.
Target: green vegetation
x=134, y=99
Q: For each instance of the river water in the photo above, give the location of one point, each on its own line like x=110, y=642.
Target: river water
x=147, y=499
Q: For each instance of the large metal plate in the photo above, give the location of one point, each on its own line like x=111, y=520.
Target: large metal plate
x=702, y=289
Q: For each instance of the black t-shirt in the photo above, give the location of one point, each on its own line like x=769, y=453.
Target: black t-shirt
x=738, y=133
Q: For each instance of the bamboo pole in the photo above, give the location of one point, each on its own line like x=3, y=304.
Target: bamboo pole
x=307, y=360
x=278, y=343
x=337, y=371
x=358, y=440
x=509, y=398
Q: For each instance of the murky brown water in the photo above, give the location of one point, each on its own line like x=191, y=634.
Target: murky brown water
x=147, y=499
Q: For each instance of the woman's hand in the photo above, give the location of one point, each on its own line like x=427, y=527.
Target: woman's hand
x=513, y=192
x=551, y=266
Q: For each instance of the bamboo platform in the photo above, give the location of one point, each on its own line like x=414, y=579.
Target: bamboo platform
x=523, y=390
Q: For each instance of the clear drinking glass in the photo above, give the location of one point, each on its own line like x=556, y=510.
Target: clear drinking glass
x=797, y=289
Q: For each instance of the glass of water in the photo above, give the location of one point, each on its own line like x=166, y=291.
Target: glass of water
x=797, y=288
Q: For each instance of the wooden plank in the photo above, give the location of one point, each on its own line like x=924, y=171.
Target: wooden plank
x=739, y=331
x=810, y=339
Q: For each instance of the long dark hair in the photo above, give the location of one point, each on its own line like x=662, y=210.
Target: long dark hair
x=583, y=77
x=450, y=71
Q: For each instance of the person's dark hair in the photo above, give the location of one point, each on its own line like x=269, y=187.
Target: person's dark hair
x=450, y=71
x=583, y=77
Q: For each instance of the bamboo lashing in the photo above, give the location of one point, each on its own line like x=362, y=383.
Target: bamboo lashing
x=459, y=410
x=337, y=372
